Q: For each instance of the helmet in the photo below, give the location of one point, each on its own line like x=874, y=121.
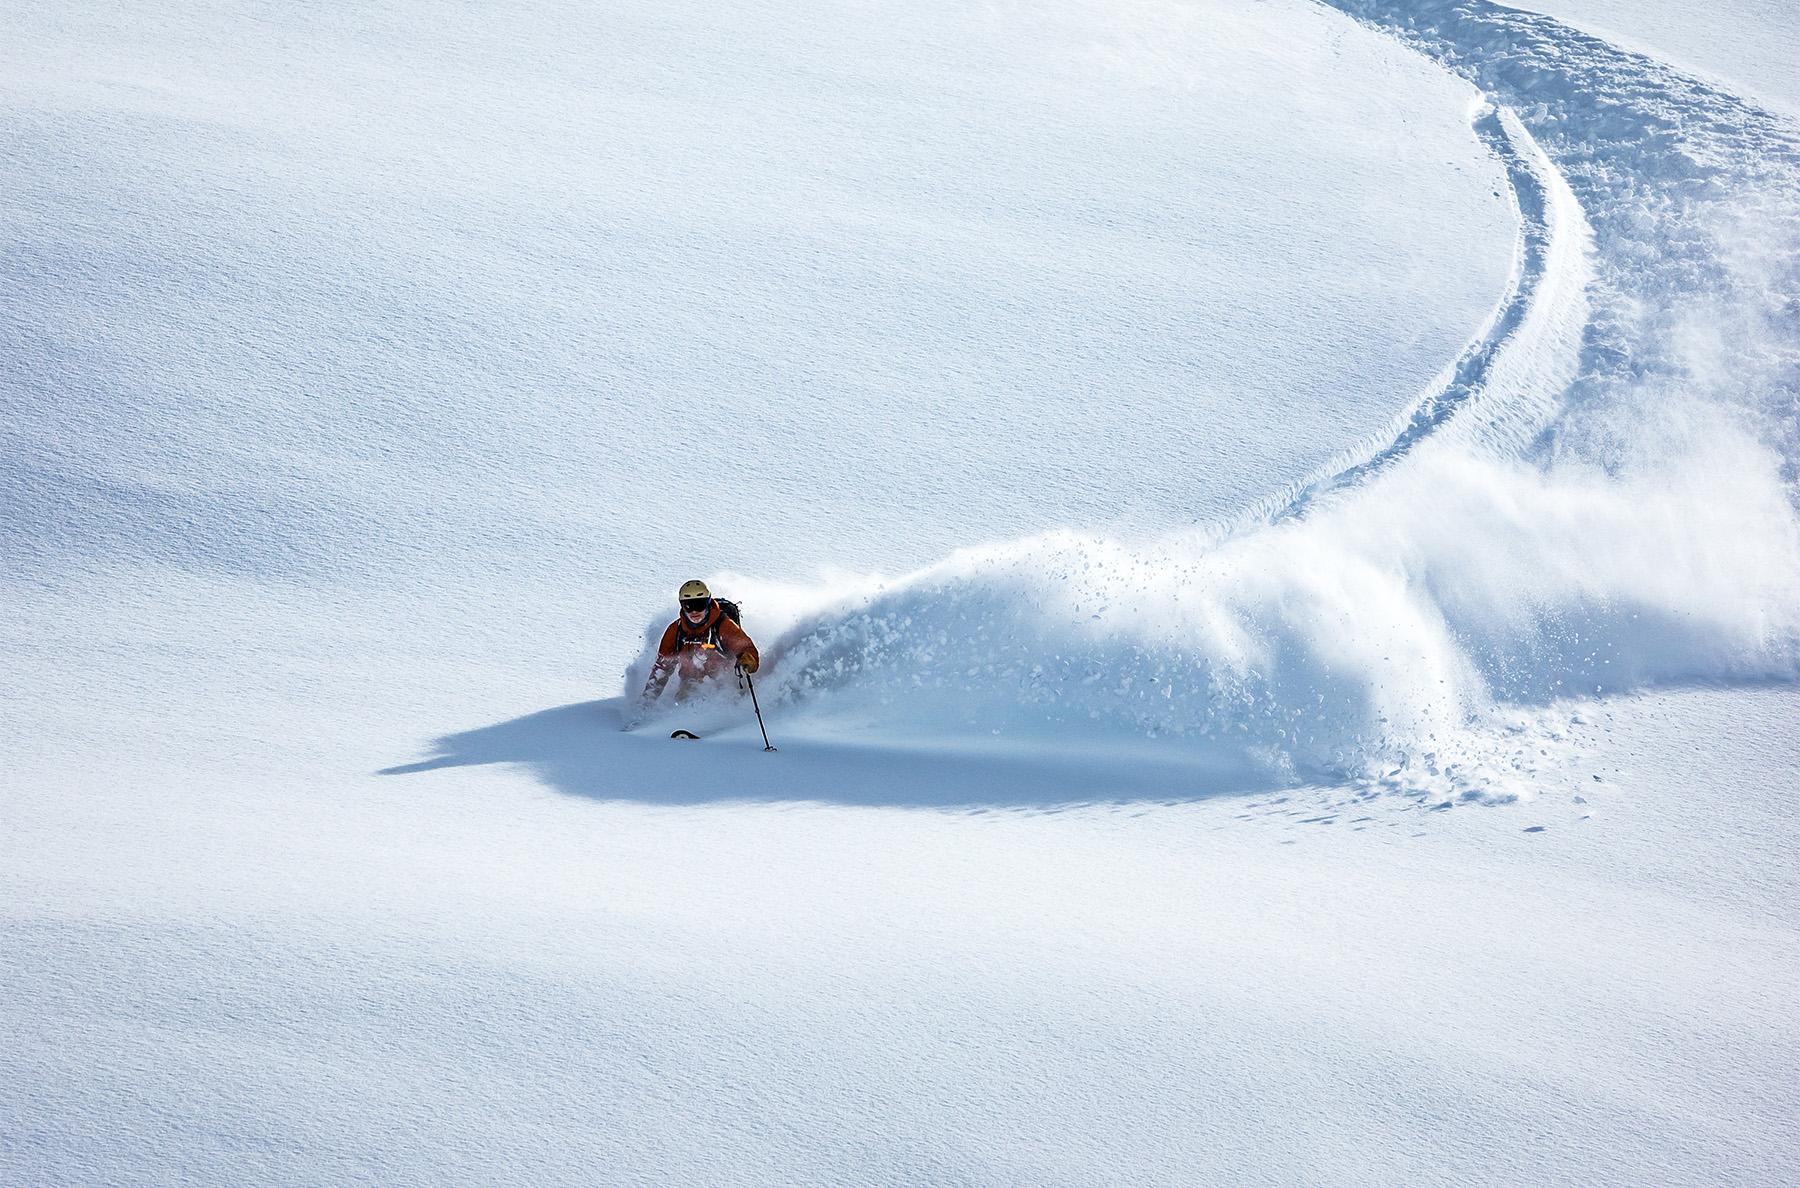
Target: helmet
x=694, y=597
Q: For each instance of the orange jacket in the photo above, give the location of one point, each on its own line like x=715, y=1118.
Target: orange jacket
x=713, y=646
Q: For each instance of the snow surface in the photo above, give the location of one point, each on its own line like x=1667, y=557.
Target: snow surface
x=465, y=280
x=1273, y=530
x=1747, y=43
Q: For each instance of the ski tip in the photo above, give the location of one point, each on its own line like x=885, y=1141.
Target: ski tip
x=685, y=734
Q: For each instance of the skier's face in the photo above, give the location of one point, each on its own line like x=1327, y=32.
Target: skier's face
x=695, y=611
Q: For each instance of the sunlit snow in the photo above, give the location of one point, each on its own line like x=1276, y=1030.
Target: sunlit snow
x=1272, y=530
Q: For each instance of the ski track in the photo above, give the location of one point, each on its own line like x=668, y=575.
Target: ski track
x=1596, y=496
x=1538, y=319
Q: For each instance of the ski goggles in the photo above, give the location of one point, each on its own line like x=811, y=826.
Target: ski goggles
x=691, y=606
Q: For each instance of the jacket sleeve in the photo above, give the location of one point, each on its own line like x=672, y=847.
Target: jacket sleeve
x=737, y=643
x=664, y=666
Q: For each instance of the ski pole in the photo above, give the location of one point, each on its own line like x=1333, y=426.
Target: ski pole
x=758, y=709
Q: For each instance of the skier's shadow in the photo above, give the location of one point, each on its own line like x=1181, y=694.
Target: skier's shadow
x=572, y=747
x=582, y=750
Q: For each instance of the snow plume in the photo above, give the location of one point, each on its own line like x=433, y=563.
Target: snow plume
x=1392, y=631
x=1597, y=496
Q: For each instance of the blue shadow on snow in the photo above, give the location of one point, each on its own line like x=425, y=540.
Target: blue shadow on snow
x=582, y=750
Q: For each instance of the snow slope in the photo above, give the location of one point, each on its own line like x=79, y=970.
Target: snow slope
x=1595, y=497
x=343, y=345
x=490, y=288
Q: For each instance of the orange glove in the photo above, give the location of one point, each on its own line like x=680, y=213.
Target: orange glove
x=747, y=662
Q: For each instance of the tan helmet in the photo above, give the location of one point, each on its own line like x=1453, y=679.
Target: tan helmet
x=694, y=591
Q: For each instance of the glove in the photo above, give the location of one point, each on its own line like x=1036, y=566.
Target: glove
x=747, y=662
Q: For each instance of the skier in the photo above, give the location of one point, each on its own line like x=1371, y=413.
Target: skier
x=703, y=642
